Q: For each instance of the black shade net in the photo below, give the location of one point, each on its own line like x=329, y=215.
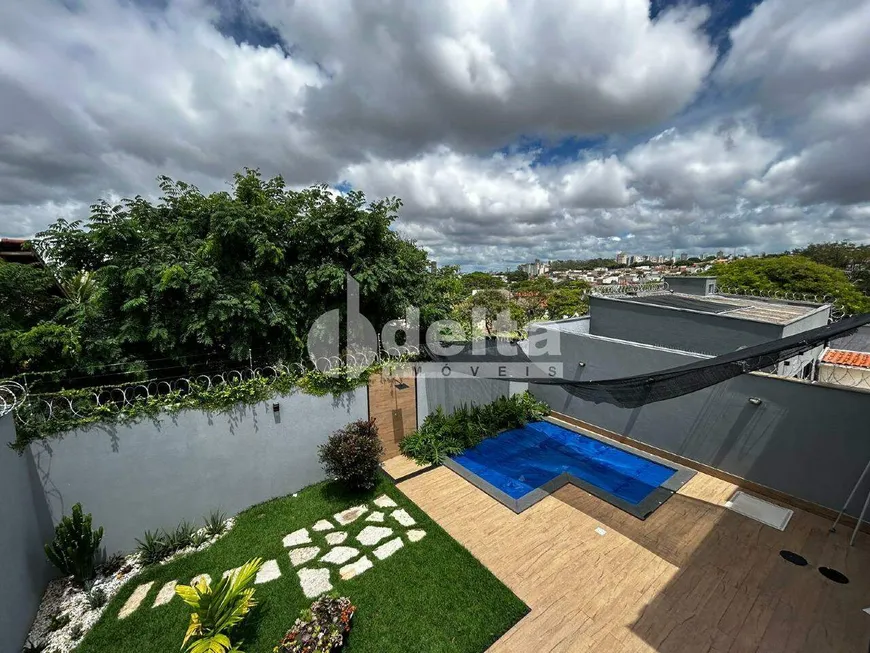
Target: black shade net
x=635, y=391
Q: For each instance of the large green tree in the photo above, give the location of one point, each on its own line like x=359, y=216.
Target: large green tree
x=791, y=274
x=247, y=269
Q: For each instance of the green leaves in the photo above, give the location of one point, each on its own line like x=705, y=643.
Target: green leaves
x=447, y=435
x=74, y=546
x=249, y=269
x=218, y=608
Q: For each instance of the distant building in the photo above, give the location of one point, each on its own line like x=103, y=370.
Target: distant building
x=433, y=266
x=622, y=258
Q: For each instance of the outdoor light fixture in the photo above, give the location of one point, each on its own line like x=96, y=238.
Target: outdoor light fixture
x=276, y=408
x=581, y=364
x=755, y=401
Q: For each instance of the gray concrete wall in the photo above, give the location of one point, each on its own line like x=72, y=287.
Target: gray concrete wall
x=155, y=473
x=451, y=393
x=26, y=527
x=809, y=441
x=691, y=285
x=676, y=329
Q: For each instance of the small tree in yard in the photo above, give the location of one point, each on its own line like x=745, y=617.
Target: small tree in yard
x=75, y=545
x=352, y=455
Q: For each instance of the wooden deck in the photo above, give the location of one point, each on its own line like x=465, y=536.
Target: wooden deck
x=692, y=578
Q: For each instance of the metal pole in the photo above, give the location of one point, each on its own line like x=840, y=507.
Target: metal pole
x=851, y=495
x=860, y=519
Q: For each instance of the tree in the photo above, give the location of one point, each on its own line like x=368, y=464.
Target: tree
x=792, y=274
x=228, y=272
x=852, y=258
x=481, y=281
x=516, y=276
x=567, y=301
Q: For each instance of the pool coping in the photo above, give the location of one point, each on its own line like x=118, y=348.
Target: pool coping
x=641, y=510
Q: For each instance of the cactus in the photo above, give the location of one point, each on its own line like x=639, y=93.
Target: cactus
x=75, y=546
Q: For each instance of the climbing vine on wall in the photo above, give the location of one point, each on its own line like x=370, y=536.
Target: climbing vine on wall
x=48, y=415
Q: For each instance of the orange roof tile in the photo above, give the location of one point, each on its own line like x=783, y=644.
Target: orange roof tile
x=843, y=357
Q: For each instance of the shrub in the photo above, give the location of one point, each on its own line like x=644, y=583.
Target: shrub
x=180, y=538
x=218, y=609
x=57, y=621
x=443, y=435
x=96, y=597
x=215, y=523
x=153, y=548
x=75, y=546
x=76, y=632
x=320, y=629
x=353, y=455
x=113, y=564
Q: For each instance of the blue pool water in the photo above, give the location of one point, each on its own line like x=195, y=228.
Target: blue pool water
x=518, y=461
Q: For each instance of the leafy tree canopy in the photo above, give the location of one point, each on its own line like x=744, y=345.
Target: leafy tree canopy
x=227, y=272
x=481, y=281
x=794, y=274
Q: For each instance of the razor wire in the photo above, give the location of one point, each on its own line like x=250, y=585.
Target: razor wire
x=88, y=402
x=630, y=289
x=838, y=311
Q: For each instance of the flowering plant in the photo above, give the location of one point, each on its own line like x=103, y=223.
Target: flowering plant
x=321, y=628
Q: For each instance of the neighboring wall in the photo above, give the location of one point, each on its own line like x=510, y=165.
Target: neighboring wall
x=706, y=333
x=26, y=527
x=451, y=393
x=809, y=441
x=154, y=473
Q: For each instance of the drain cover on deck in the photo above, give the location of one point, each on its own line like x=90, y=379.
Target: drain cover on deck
x=793, y=558
x=834, y=575
x=759, y=510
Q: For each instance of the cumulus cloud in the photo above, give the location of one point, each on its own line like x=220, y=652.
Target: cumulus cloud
x=433, y=100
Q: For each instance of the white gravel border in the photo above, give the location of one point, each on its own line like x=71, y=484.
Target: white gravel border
x=61, y=597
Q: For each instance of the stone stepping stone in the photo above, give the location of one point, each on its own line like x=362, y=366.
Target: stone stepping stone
x=297, y=537
x=336, y=538
x=384, y=501
x=303, y=555
x=196, y=579
x=135, y=600
x=314, y=582
x=166, y=594
x=376, y=517
x=322, y=525
x=340, y=554
x=229, y=571
x=415, y=535
x=355, y=568
x=387, y=549
x=403, y=517
x=371, y=535
x=350, y=515
x=268, y=572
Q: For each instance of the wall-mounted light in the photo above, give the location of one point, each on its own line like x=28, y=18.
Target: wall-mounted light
x=755, y=401
x=276, y=408
x=581, y=364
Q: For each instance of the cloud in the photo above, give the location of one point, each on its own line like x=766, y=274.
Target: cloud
x=436, y=101
x=408, y=76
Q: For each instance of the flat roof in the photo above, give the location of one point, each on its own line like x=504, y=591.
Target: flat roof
x=773, y=312
x=857, y=341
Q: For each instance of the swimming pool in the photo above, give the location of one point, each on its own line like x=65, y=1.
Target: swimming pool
x=521, y=466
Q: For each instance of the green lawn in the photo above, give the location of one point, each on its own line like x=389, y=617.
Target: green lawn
x=432, y=595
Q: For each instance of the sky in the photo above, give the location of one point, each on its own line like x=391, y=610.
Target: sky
x=511, y=129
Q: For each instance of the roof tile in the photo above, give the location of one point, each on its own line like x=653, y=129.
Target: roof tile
x=843, y=357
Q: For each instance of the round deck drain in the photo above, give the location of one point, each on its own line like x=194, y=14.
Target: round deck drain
x=834, y=575
x=793, y=558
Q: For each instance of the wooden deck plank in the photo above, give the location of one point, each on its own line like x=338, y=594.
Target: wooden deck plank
x=692, y=578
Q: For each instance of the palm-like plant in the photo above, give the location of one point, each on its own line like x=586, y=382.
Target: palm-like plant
x=218, y=608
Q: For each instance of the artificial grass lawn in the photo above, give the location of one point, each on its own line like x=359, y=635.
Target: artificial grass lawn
x=431, y=595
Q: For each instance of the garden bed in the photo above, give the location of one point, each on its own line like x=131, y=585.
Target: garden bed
x=420, y=590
